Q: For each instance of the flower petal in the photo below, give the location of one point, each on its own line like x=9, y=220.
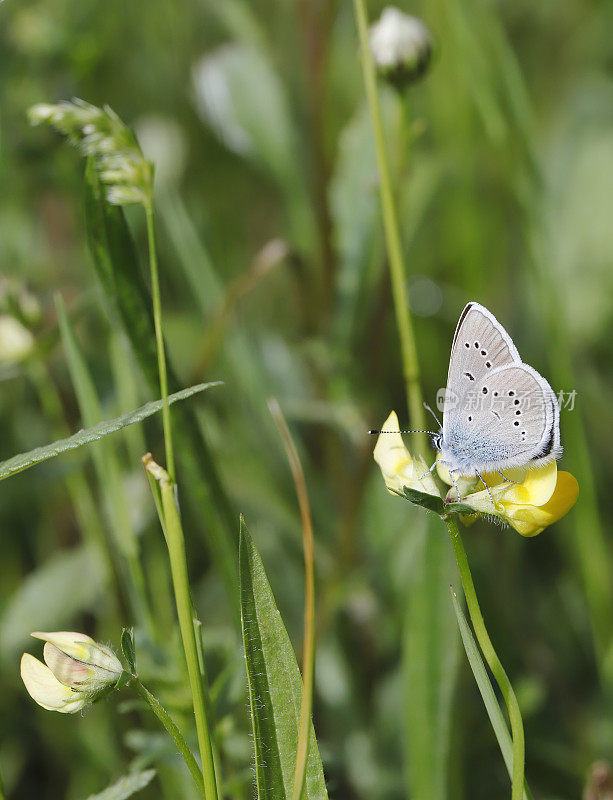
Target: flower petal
x=529, y=520
x=392, y=456
x=73, y=644
x=537, y=488
x=46, y=690
x=67, y=670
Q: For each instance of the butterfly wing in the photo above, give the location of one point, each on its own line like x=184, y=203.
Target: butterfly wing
x=480, y=345
x=510, y=419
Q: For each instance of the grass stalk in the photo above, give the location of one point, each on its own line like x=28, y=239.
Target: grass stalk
x=175, y=541
x=159, y=339
x=175, y=734
x=487, y=648
x=308, y=648
x=410, y=362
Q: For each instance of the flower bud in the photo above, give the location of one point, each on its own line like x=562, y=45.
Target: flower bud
x=76, y=672
x=16, y=341
x=401, y=46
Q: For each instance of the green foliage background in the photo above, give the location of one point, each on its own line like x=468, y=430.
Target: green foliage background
x=254, y=115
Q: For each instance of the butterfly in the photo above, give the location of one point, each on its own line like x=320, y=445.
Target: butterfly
x=498, y=413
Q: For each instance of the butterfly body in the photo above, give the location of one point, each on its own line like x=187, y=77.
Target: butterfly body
x=499, y=413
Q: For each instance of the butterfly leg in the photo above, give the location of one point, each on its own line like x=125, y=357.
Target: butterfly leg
x=455, y=483
x=508, y=480
x=478, y=474
x=432, y=468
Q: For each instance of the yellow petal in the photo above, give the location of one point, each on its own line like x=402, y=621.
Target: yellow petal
x=530, y=519
x=537, y=487
x=392, y=456
x=46, y=690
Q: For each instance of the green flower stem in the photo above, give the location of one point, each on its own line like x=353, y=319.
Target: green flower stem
x=178, y=568
x=517, y=727
x=176, y=735
x=410, y=363
x=159, y=339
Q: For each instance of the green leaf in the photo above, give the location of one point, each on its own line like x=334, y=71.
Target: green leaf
x=125, y=787
x=430, y=657
x=127, y=648
x=487, y=692
x=51, y=596
x=26, y=460
x=275, y=686
x=431, y=502
x=123, y=680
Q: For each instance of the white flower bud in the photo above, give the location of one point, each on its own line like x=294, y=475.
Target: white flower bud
x=76, y=672
x=401, y=46
x=16, y=341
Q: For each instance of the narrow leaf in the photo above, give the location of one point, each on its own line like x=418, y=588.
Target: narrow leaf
x=487, y=692
x=125, y=787
x=25, y=460
x=429, y=665
x=127, y=648
x=275, y=686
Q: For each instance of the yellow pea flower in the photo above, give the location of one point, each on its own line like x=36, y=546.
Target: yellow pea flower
x=539, y=496
x=397, y=465
x=77, y=670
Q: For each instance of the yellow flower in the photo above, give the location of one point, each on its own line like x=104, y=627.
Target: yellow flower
x=76, y=671
x=398, y=467
x=539, y=496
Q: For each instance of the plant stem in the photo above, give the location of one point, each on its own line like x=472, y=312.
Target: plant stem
x=410, y=363
x=159, y=339
x=176, y=735
x=517, y=727
x=308, y=648
x=178, y=567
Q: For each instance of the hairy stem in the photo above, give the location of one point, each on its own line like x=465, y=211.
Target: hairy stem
x=487, y=648
x=175, y=540
x=176, y=735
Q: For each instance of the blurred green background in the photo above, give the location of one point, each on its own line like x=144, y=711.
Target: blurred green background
x=255, y=117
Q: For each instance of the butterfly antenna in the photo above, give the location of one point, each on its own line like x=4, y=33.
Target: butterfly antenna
x=427, y=407
x=432, y=433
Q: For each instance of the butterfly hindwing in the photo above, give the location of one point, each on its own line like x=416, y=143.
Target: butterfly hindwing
x=498, y=411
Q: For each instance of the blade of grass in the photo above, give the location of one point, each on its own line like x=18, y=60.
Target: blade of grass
x=108, y=471
x=275, y=688
x=484, y=684
x=308, y=648
x=430, y=659
x=24, y=461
